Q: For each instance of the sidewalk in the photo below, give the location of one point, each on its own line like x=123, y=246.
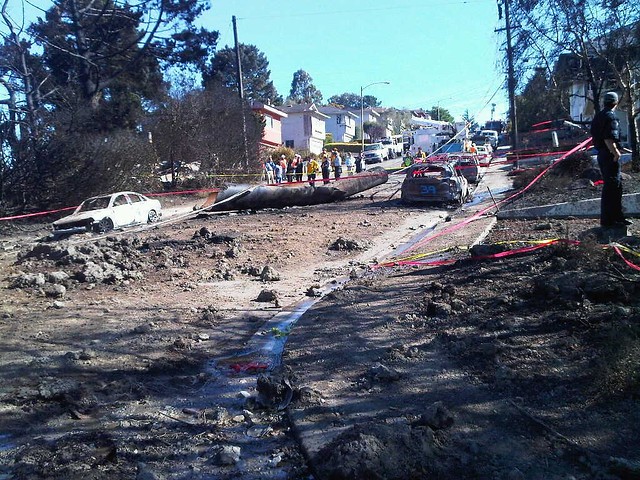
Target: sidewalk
x=359, y=351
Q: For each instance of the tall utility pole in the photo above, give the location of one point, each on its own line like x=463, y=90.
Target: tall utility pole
x=238, y=61
x=241, y=92
x=511, y=85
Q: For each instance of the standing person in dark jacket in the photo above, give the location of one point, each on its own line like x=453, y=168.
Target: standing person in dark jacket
x=291, y=169
x=605, y=131
x=299, y=168
x=326, y=168
x=359, y=162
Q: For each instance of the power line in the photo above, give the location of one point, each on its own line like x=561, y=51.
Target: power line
x=413, y=7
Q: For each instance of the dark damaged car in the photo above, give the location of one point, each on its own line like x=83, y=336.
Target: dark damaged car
x=467, y=164
x=435, y=183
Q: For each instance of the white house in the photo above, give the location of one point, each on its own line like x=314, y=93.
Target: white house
x=581, y=106
x=370, y=115
x=304, y=127
x=341, y=123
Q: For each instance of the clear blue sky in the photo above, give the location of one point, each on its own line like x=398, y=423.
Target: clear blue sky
x=432, y=52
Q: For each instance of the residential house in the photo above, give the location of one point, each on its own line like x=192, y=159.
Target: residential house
x=581, y=104
x=272, y=135
x=304, y=127
x=341, y=123
x=371, y=115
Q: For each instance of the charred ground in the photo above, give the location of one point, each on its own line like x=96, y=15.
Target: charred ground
x=106, y=377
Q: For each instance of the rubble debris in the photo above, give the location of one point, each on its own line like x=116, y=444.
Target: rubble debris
x=269, y=274
x=344, y=244
x=267, y=296
x=436, y=416
x=382, y=373
x=228, y=455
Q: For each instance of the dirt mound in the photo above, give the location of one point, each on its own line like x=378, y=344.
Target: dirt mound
x=378, y=451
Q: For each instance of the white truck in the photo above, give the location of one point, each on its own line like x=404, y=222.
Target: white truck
x=428, y=140
x=394, y=145
x=375, y=153
x=491, y=136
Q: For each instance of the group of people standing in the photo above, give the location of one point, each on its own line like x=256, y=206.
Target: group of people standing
x=276, y=172
x=294, y=170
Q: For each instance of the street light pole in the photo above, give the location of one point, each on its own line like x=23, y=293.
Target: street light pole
x=362, y=114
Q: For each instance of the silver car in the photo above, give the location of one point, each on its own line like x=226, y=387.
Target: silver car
x=106, y=212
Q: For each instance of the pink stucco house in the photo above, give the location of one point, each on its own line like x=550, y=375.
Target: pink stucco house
x=272, y=136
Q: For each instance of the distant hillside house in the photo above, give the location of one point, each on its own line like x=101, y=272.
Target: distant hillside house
x=304, y=127
x=341, y=123
x=272, y=136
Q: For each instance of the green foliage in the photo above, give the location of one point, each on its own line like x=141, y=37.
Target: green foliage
x=303, y=90
x=540, y=101
x=278, y=333
x=590, y=41
x=353, y=101
x=470, y=120
x=276, y=153
x=439, y=113
x=256, y=79
x=374, y=130
x=129, y=54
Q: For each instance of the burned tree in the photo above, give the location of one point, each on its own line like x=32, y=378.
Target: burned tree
x=592, y=42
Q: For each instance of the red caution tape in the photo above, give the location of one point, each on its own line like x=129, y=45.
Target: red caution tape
x=480, y=213
x=629, y=264
x=27, y=215
x=49, y=212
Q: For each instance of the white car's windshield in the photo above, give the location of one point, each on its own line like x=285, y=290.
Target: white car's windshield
x=94, y=204
x=372, y=146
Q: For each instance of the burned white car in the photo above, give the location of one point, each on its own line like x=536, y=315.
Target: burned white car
x=107, y=212
x=435, y=182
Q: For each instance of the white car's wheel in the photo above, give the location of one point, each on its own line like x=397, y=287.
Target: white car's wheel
x=153, y=216
x=105, y=225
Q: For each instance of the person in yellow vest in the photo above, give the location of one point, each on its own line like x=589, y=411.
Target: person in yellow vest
x=313, y=168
